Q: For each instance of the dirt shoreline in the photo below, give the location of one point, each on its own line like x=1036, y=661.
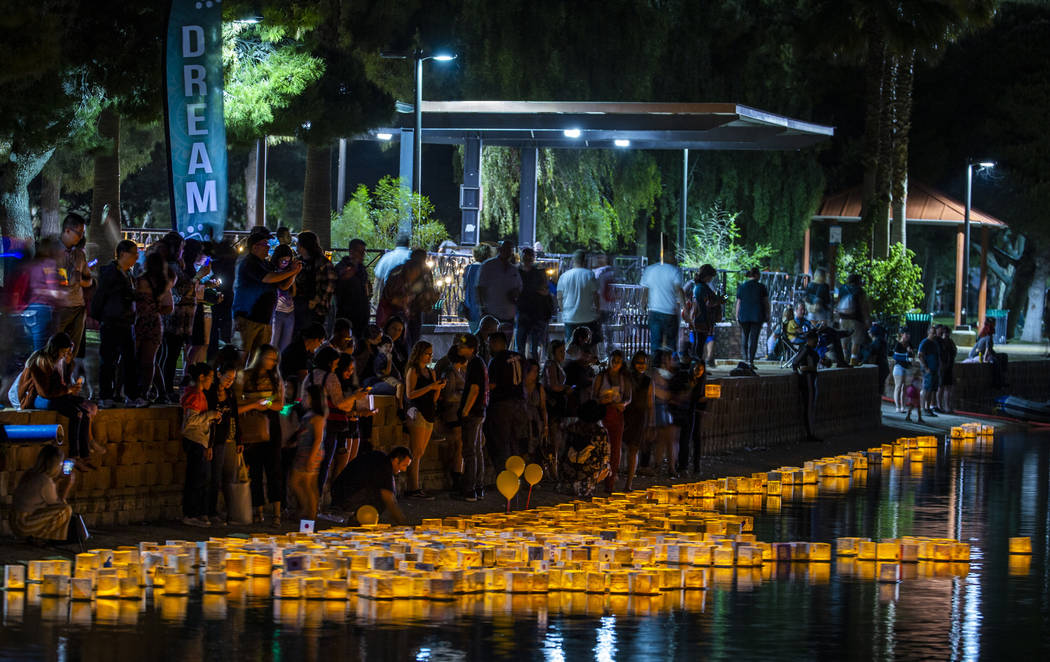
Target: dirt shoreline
x=740, y=463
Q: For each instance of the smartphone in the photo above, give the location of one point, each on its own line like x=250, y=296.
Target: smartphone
x=67, y=467
x=93, y=263
x=207, y=261
x=267, y=403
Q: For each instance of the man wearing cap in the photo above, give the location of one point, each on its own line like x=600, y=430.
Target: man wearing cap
x=255, y=291
x=472, y=417
x=499, y=285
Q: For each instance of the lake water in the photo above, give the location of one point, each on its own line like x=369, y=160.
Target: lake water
x=995, y=607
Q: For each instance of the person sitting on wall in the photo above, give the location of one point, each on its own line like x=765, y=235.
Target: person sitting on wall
x=39, y=509
x=369, y=480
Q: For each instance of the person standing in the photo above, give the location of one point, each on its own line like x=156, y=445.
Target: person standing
x=471, y=305
x=534, y=307
x=260, y=394
x=805, y=365
x=44, y=291
x=197, y=423
x=638, y=413
x=152, y=302
x=114, y=307
x=578, y=297
x=818, y=298
x=499, y=285
x=472, y=416
x=506, y=420
x=255, y=291
x=282, y=324
x=663, y=296
x=422, y=391
x=353, y=290
x=314, y=284
x=854, y=311
x=929, y=355
x=612, y=390
x=707, y=312
x=752, y=311
x=949, y=352
x=74, y=272
x=226, y=435
x=901, y=367
x=391, y=259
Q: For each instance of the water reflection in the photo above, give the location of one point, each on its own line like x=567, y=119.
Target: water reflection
x=993, y=606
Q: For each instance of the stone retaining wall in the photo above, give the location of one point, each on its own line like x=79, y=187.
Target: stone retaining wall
x=975, y=388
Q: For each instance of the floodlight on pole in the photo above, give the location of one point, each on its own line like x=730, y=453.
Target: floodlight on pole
x=966, y=238
x=622, y=142
x=571, y=133
x=417, y=134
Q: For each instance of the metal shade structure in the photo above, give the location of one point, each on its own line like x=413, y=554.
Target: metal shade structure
x=534, y=125
x=544, y=124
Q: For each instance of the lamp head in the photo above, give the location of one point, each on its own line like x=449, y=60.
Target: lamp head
x=445, y=57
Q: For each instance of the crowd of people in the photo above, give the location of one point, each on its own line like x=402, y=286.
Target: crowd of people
x=282, y=358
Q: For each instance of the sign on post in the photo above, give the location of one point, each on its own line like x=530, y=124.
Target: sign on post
x=835, y=234
x=194, y=126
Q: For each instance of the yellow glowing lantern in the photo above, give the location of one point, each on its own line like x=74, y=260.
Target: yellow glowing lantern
x=314, y=588
x=214, y=581
x=15, y=577
x=713, y=391
x=107, y=585
x=81, y=588
x=236, y=566
x=888, y=551
x=55, y=586
x=129, y=588
x=1021, y=545
x=597, y=582
x=867, y=550
x=36, y=571
x=961, y=552
x=176, y=584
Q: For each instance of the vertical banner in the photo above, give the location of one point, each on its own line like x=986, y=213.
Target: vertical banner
x=194, y=124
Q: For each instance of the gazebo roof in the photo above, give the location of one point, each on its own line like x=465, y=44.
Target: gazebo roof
x=925, y=206
x=597, y=125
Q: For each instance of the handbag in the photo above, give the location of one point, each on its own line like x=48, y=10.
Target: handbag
x=238, y=495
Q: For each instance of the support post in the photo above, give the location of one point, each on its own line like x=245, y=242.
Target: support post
x=683, y=209
x=527, y=196
x=470, y=192
x=833, y=258
x=405, y=173
x=982, y=292
x=966, y=248
x=805, y=253
x=960, y=239
x=340, y=187
x=261, y=154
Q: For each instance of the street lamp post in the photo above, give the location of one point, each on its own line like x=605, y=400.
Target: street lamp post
x=966, y=239
x=417, y=134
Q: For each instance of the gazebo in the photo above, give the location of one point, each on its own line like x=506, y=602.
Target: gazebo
x=925, y=206
x=532, y=125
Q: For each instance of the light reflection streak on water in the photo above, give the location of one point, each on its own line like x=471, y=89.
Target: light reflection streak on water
x=552, y=645
x=605, y=650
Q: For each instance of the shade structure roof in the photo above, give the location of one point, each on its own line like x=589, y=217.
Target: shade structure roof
x=598, y=125
x=925, y=206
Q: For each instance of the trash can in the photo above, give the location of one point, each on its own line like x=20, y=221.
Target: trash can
x=1001, y=318
x=918, y=325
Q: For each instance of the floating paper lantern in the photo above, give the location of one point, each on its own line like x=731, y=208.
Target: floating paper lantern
x=14, y=577
x=81, y=588
x=176, y=584
x=214, y=581
x=129, y=588
x=107, y=585
x=55, y=586
x=1019, y=545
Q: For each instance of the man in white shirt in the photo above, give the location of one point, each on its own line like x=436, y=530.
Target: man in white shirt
x=578, y=298
x=389, y=261
x=499, y=284
x=662, y=292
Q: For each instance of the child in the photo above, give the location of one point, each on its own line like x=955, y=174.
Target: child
x=309, y=454
x=197, y=422
x=911, y=394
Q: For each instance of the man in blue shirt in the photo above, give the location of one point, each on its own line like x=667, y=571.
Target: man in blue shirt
x=255, y=291
x=930, y=360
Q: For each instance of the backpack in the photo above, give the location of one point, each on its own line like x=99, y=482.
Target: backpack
x=847, y=305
